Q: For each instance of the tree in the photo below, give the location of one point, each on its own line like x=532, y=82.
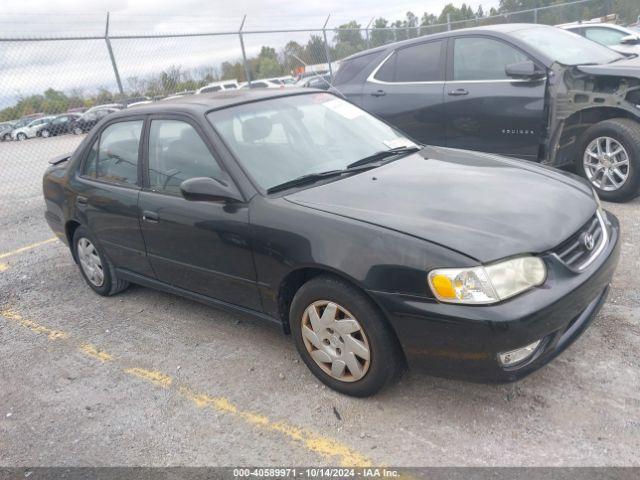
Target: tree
x=379, y=34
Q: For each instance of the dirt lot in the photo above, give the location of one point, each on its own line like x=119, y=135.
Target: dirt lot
x=147, y=378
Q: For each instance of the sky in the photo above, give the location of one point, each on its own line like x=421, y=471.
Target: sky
x=31, y=67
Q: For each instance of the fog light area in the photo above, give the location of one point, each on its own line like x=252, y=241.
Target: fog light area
x=518, y=355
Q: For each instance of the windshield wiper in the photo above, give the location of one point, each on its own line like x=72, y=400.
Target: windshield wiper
x=384, y=154
x=304, y=179
x=314, y=177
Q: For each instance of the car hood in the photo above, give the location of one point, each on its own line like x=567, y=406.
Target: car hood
x=629, y=67
x=484, y=206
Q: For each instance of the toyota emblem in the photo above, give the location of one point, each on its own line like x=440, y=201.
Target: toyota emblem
x=588, y=241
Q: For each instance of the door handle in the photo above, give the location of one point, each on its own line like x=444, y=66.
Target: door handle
x=458, y=92
x=151, y=217
x=378, y=93
x=81, y=201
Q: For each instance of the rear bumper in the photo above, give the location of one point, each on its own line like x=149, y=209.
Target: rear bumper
x=464, y=341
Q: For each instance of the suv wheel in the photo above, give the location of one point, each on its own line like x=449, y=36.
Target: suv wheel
x=96, y=269
x=610, y=158
x=342, y=337
x=77, y=131
x=45, y=133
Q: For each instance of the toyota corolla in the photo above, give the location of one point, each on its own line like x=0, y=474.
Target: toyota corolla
x=374, y=252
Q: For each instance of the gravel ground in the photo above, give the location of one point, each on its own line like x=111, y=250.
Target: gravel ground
x=147, y=378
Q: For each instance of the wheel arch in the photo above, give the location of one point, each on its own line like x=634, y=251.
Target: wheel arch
x=576, y=124
x=296, y=278
x=70, y=229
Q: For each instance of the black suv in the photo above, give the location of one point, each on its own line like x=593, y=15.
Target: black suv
x=59, y=125
x=529, y=91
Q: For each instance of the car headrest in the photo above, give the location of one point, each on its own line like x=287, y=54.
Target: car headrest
x=256, y=128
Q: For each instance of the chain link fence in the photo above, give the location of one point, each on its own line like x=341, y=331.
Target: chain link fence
x=100, y=62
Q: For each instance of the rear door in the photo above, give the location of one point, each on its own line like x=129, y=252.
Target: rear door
x=199, y=246
x=485, y=109
x=107, y=188
x=406, y=90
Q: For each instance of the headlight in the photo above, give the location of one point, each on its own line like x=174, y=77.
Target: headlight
x=489, y=283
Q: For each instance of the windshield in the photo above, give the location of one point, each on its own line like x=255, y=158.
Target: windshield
x=566, y=47
x=284, y=138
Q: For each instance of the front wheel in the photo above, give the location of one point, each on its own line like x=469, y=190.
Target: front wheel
x=77, y=131
x=343, y=338
x=45, y=133
x=609, y=157
x=21, y=137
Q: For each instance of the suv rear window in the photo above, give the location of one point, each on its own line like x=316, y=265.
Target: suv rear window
x=350, y=68
x=416, y=63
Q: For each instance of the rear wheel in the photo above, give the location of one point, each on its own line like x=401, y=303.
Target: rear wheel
x=6, y=137
x=610, y=158
x=96, y=269
x=343, y=338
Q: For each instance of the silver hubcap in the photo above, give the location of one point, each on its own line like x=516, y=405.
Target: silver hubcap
x=90, y=262
x=45, y=133
x=606, y=163
x=335, y=340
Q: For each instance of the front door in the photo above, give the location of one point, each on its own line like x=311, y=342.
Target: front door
x=406, y=90
x=199, y=246
x=486, y=110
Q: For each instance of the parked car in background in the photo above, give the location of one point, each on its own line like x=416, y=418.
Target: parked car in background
x=30, y=130
x=5, y=130
x=525, y=90
x=24, y=121
x=619, y=38
x=179, y=94
x=59, y=125
x=79, y=110
x=322, y=82
x=218, y=86
x=264, y=83
x=137, y=104
x=315, y=215
x=87, y=121
x=137, y=100
x=113, y=106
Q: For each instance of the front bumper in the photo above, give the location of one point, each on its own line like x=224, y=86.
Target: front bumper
x=463, y=341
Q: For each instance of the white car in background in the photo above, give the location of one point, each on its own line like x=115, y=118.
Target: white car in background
x=265, y=83
x=621, y=39
x=218, y=86
x=30, y=130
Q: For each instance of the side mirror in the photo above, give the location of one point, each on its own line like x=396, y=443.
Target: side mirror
x=208, y=189
x=524, y=70
x=630, y=40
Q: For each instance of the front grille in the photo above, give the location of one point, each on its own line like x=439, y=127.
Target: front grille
x=584, y=246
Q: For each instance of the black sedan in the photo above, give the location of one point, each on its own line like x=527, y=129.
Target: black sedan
x=59, y=125
x=301, y=209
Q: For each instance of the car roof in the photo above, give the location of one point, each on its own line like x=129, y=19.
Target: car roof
x=204, y=102
x=500, y=29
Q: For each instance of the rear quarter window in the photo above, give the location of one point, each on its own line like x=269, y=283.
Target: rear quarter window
x=352, y=67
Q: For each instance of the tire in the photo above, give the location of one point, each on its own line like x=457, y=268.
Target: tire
x=77, y=131
x=21, y=137
x=385, y=363
x=45, y=133
x=110, y=284
x=6, y=137
x=606, y=172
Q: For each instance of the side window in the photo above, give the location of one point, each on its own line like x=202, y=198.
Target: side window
x=177, y=153
x=476, y=58
x=417, y=63
x=604, y=36
x=113, y=157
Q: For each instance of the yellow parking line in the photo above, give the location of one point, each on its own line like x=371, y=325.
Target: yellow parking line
x=313, y=442
x=26, y=248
